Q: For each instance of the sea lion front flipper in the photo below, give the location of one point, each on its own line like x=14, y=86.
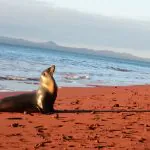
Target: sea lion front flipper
x=39, y=109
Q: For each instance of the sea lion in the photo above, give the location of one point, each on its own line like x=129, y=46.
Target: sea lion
x=42, y=100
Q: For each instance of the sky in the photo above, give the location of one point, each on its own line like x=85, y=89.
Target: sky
x=118, y=25
x=134, y=9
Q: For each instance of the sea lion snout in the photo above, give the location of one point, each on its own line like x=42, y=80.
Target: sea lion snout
x=52, y=69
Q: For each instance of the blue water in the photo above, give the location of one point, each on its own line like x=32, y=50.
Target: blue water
x=20, y=69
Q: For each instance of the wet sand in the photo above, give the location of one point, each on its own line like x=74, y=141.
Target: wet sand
x=79, y=131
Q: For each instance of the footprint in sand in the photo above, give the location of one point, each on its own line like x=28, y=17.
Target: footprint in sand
x=40, y=131
x=15, y=125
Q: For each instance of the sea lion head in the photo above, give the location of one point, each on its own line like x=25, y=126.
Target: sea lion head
x=47, y=80
x=49, y=71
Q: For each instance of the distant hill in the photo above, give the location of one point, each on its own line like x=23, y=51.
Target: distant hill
x=53, y=46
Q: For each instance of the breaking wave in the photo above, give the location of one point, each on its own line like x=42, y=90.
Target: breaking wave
x=119, y=69
x=73, y=76
x=16, y=78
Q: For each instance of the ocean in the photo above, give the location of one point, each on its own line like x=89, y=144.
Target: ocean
x=20, y=69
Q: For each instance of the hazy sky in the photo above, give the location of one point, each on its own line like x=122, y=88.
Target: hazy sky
x=136, y=9
x=119, y=25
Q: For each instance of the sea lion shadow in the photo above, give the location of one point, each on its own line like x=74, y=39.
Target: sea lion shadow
x=75, y=111
x=101, y=111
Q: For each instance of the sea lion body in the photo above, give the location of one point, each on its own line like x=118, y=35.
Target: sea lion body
x=19, y=103
x=42, y=100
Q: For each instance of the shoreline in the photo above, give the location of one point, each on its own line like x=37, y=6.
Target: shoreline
x=90, y=130
x=85, y=86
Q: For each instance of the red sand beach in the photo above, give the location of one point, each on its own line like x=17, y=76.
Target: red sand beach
x=78, y=131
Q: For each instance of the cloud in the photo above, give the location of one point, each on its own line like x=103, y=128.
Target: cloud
x=37, y=20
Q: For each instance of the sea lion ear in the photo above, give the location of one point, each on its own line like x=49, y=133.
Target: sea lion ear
x=52, y=69
x=44, y=73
